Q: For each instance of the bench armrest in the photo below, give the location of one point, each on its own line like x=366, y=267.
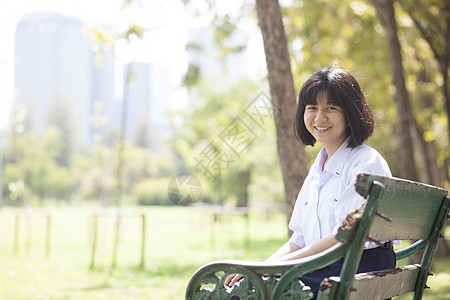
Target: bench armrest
x=262, y=280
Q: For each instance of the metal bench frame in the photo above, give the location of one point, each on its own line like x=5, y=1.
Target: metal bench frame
x=394, y=209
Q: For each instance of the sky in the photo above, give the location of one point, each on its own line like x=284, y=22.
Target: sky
x=164, y=43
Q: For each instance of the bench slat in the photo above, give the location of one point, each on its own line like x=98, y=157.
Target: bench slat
x=384, y=284
x=419, y=206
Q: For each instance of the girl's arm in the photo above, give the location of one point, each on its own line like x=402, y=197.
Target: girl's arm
x=281, y=252
x=284, y=250
x=317, y=247
x=291, y=251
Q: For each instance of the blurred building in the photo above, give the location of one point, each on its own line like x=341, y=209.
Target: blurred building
x=149, y=100
x=58, y=81
x=53, y=62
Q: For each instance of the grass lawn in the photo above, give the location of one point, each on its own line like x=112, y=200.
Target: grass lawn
x=179, y=240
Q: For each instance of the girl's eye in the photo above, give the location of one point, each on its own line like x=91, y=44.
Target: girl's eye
x=332, y=108
x=310, y=107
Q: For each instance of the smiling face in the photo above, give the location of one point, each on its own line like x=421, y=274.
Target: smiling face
x=339, y=89
x=326, y=123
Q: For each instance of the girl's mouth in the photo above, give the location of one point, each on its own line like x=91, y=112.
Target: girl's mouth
x=321, y=128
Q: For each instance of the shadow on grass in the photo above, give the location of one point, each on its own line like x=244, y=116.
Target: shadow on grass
x=97, y=287
x=126, y=280
x=166, y=270
x=163, y=269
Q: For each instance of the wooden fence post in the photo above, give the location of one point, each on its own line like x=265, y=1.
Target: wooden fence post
x=49, y=229
x=247, y=229
x=213, y=229
x=16, y=235
x=116, y=241
x=144, y=225
x=28, y=242
x=94, y=241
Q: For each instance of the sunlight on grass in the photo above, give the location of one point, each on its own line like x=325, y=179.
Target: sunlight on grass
x=179, y=241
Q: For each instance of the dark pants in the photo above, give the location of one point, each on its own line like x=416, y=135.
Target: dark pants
x=371, y=260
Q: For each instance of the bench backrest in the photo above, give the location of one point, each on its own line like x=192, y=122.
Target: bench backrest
x=397, y=209
x=417, y=211
x=412, y=208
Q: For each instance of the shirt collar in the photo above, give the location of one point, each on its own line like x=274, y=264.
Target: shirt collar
x=336, y=163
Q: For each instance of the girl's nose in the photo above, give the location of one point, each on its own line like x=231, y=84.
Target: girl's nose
x=320, y=115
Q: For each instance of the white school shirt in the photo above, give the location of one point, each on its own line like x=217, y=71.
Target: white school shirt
x=328, y=195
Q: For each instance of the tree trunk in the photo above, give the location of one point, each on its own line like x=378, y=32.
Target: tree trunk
x=291, y=153
x=441, y=50
x=446, y=92
x=429, y=174
x=242, y=186
x=427, y=151
x=405, y=123
x=444, y=61
x=386, y=13
x=438, y=38
x=426, y=156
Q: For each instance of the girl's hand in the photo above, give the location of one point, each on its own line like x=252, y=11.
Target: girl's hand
x=232, y=279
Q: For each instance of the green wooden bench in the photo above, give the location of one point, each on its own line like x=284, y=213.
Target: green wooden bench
x=395, y=209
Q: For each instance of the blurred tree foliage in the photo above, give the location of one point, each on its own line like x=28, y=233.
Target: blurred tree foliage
x=94, y=171
x=31, y=170
x=345, y=32
x=432, y=19
x=228, y=175
x=348, y=32
x=34, y=170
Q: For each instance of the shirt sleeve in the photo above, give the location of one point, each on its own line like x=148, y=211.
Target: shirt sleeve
x=349, y=198
x=295, y=223
x=297, y=238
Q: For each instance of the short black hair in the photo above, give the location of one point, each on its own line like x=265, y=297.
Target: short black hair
x=341, y=89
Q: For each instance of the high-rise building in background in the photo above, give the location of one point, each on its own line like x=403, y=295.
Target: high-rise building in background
x=58, y=81
x=53, y=62
x=149, y=100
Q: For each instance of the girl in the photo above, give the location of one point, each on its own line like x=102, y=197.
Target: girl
x=333, y=111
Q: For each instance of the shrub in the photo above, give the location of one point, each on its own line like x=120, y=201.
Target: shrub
x=151, y=191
